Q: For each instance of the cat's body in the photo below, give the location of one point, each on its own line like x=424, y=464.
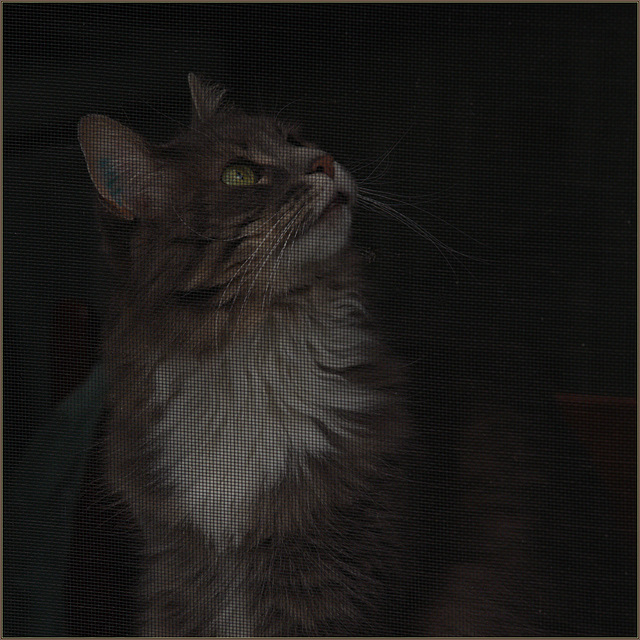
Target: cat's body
x=257, y=430
x=256, y=422
x=257, y=464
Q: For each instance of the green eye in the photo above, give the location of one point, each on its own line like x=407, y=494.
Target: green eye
x=239, y=175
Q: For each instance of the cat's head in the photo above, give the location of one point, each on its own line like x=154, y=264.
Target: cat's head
x=234, y=203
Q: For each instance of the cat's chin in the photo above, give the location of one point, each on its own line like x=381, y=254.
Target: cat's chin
x=333, y=210
x=325, y=238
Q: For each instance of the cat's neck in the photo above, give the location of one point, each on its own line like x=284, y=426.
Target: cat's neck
x=324, y=293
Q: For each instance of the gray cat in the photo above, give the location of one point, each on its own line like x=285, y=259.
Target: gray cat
x=256, y=419
x=257, y=430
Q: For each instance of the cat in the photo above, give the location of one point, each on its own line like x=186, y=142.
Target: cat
x=256, y=420
x=258, y=432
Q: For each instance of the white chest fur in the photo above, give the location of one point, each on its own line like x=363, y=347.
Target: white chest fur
x=235, y=424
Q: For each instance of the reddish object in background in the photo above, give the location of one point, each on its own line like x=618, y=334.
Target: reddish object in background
x=607, y=426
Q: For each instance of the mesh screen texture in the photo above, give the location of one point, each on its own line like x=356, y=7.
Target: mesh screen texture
x=494, y=151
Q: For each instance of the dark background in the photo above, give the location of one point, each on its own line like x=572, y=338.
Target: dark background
x=506, y=131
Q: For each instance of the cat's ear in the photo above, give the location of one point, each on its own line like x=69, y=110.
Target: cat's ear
x=120, y=163
x=206, y=98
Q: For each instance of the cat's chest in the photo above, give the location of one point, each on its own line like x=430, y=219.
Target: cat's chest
x=234, y=424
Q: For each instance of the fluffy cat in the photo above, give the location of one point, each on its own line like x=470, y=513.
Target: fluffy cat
x=256, y=421
x=257, y=430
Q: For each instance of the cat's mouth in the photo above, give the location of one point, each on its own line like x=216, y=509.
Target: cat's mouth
x=333, y=208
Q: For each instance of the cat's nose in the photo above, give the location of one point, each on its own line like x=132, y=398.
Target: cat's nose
x=323, y=164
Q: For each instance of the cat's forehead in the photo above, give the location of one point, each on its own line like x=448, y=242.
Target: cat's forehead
x=261, y=139
x=251, y=131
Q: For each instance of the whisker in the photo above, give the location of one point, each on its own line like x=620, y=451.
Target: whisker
x=245, y=265
x=386, y=154
x=286, y=106
x=275, y=269
x=414, y=226
x=266, y=258
x=370, y=195
x=186, y=224
x=246, y=271
x=441, y=247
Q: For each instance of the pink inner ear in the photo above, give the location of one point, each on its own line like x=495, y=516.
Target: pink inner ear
x=111, y=151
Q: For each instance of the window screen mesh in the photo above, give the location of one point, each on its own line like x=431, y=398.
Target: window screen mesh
x=498, y=145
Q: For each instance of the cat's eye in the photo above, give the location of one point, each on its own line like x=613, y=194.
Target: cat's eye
x=239, y=175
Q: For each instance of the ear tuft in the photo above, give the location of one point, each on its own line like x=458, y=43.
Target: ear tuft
x=206, y=98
